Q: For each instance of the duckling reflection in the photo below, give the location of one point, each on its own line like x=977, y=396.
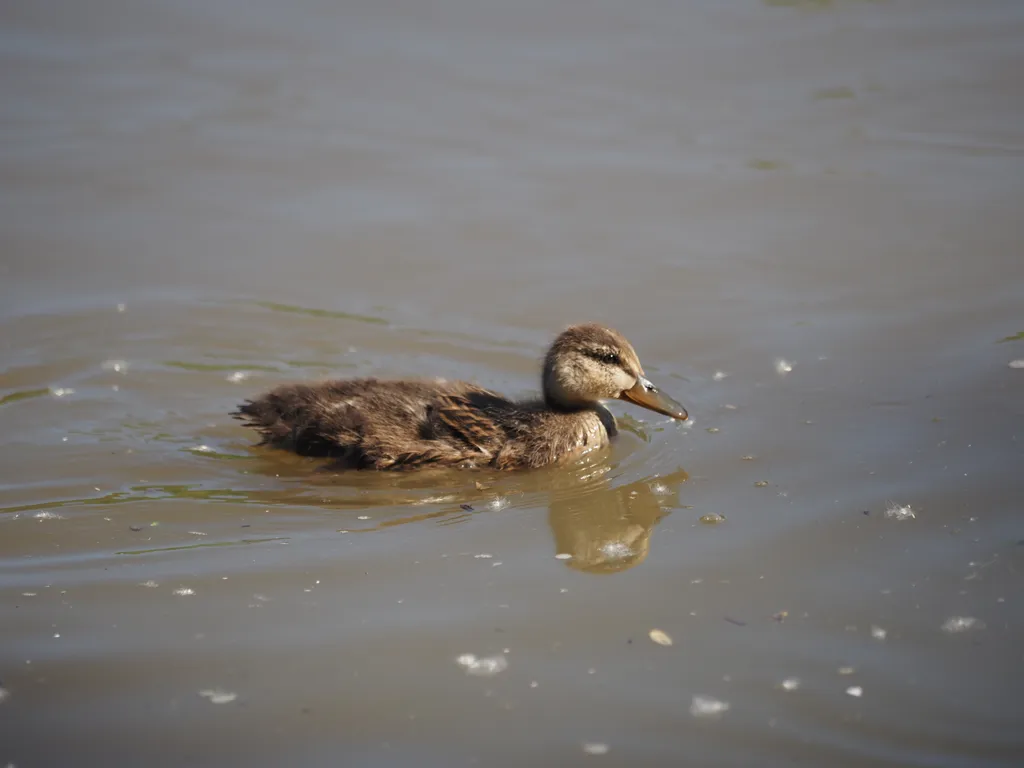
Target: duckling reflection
x=608, y=530
x=605, y=529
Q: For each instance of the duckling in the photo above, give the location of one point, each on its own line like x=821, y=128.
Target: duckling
x=404, y=424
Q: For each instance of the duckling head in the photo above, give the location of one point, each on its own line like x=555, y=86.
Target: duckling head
x=589, y=363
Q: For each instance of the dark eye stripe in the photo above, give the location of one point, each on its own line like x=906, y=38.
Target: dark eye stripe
x=611, y=358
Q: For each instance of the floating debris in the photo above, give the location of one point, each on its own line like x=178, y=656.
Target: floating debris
x=660, y=637
x=712, y=430
x=782, y=367
x=790, y=684
x=878, y=633
x=737, y=622
x=845, y=670
x=747, y=458
x=482, y=667
x=135, y=528
x=563, y=556
x=218, y=696
x=761, y=484
x=855, y=690
x=466, y=507
x=117, y=366
x=705, y=706
x=480, y=486
x=897, y=512
x=712, y=519
x=184, y=591
x=955, y=624
x=780, y=616
x=595, y=748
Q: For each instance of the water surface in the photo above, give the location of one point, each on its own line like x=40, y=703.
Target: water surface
x=806, y=217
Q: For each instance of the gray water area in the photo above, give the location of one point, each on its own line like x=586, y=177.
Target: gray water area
x=806, y=216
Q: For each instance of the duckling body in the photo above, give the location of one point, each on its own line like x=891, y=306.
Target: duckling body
x=381, y=424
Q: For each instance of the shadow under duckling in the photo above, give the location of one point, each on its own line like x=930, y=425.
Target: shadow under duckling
x=405, y=424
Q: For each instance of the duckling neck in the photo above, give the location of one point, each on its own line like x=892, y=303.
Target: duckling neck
x=583, y=411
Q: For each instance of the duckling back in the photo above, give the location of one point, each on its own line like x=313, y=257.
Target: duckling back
x=376, y=424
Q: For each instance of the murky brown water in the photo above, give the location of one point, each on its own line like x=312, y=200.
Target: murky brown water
x=275, y=191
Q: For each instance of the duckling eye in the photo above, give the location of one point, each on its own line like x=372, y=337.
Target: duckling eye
x=611, y=358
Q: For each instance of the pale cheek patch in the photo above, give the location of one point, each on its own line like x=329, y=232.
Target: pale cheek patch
x=623, y=380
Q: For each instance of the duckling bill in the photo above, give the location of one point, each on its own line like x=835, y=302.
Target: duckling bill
x=405, y=424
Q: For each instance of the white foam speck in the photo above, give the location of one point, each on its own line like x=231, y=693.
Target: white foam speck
x=46, y=515
x=719, y=375
x=898, y=512
x=363, y=517
x=487, y=666
x=483, y=556
x=498, y=502
x=705, y=706
x=149, y=584
x=790, y=684
x=595, y=748
x=122, y=307
x=1017, y=363
x=616, y=550
x=3, y=694
x=117, y=366
x=238, y=376
x=855, y=690
x=218, y=696
x=563, y=556
x=184, y=591
x=878, y=633
x=201, y=449
x=61, y=391
x=782, y=367
x=956, y=624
